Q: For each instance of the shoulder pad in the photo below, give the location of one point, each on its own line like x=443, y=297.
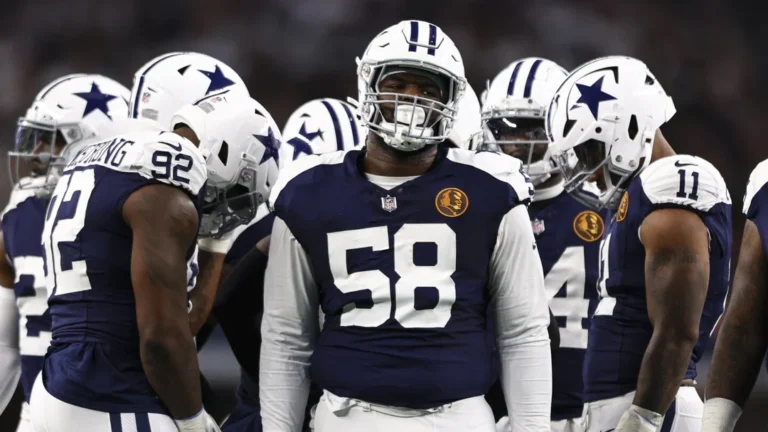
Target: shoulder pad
x=499, y=165
x=684, y=180
x=757, y=180
x=19, y=195
x=301, y=165
x=161, y=156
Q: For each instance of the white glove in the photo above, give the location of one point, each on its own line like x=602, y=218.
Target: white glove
x=720, y=415
x=503, y=425
x=220, y=245
x=200, y=422
x=637, y=419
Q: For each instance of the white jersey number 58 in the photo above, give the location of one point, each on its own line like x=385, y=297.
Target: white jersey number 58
x=412, y=276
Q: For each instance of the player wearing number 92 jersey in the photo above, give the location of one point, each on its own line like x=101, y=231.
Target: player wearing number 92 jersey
x=665, y=255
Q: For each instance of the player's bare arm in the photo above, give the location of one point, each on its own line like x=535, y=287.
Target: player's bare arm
x=204, y=293
x=677, y=276
x=743, y=338
x=164, y=224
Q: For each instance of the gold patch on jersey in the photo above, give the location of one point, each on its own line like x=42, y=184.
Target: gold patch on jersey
x=589, y=226
x=451, y=202
x=621, y=213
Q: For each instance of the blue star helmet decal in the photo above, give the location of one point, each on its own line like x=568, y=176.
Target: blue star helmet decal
x=592, y=95
x=271, y=145
x=96, y=100
x=218, y=80
x=300, y=143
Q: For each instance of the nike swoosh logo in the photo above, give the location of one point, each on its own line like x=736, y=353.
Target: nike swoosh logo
x=678, y=164
x=176, y=147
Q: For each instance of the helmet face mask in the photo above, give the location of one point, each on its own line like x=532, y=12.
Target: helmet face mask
x=240, y=146
x=514, y=110
x=405, y=121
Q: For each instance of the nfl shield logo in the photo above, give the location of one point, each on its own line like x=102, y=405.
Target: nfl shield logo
x=538, y=226
x=389, y=203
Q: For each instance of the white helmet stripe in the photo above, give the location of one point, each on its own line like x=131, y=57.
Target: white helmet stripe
x=352, y=125
x=135, y=108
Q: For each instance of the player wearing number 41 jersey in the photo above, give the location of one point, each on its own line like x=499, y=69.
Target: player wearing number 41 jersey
x=404, y=244
x=67, y=112
x=567, y=232
x=665, y=255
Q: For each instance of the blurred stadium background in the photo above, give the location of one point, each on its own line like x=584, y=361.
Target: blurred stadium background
x=708, y=54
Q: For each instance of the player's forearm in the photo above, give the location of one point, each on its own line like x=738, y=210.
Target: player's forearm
x=662, y=370
x=169, y=359
x=738, y=354
x=10, y=362
x=204, y=293
x=283, y=386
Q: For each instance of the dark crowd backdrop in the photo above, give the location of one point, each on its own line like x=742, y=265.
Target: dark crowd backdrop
x=708, y=54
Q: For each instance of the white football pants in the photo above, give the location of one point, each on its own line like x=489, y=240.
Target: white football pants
x=569, y=425
x=337, y=414
x=25, y=422
x=683, y=416
x=53, y=415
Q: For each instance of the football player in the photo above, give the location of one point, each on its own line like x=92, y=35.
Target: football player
x=120, y=252
x=69, y=111
x=742, y=340
x=320, y=126
x=404, y=244
x=567, y=232
x=664, y=257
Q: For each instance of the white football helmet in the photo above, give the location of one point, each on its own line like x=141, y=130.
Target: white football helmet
x=514, y=111
x=467, y=131
x=240, y=146
x=170, y=81
x=604, y=117
x=416, y=47
x=67, y=113
x=320, y=126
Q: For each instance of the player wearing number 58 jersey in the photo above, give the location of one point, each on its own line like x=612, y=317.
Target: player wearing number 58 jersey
x=67, y=112
x=665, y=254
x=404, y=244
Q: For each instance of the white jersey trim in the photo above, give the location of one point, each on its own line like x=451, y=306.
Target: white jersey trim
x=702, y=185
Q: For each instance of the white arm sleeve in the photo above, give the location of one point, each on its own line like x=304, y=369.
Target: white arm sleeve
x=10, y=362
x=520, y=304
x=289, y=329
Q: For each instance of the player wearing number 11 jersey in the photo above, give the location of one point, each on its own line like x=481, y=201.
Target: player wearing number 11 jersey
x=404, y=244
x=665, y=255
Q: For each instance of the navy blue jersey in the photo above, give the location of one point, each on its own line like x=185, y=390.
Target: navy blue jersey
x=22, y=228
x=568, y=235
x=402, y=274
x=94, y=358
x=621, y=329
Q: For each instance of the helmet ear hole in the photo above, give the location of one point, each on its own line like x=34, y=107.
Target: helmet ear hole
x=568, y=126
x=632, y=129
x=224, y=152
